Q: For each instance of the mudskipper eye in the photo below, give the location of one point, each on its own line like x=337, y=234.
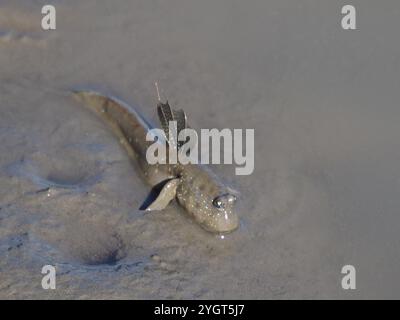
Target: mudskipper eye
x=223, y=200
x=217, y=203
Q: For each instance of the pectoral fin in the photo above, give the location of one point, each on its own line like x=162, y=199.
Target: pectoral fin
x=166, y=193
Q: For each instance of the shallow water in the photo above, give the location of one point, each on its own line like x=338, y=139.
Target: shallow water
x=324, y=106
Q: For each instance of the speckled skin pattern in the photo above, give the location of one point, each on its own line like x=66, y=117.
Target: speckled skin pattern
x=198, y=186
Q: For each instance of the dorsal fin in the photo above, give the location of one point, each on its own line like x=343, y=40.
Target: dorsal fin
x=166, y=114
x=180, y=118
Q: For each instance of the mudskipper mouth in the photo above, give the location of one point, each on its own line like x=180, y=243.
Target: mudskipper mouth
x=222, y=223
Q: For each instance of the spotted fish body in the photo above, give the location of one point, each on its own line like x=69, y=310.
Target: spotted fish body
x=195, y=187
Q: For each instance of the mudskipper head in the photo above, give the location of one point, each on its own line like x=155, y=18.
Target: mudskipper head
x=213, y=206
x=224, y=217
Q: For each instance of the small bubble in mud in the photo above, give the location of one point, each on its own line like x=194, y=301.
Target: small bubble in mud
x=155, y=257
